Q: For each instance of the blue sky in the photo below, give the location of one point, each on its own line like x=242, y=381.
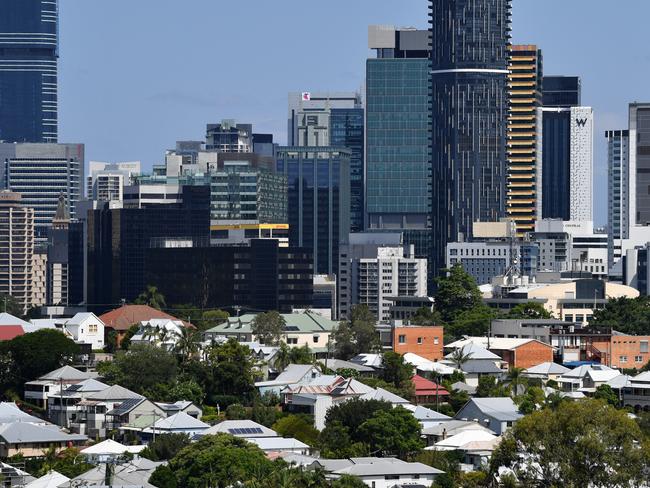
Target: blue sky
x=137, y=75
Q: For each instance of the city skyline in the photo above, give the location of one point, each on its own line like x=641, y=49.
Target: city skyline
x=136, y=72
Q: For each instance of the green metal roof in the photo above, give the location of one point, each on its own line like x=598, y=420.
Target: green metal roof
x=297, y=323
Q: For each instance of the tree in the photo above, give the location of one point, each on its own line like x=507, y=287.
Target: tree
x=475, y=322
x=269, y=327
x=626, y=315
x=212, y=318
x=27, y=357
x=126, y=340
x=515, y=377
x=529, y=310
x=219, y=461
x=426, y=316
x=236, y=411
x=152, y=297
x=357, y=335
x=10, y=305
x=606, y=394
x=231, y=367
x=298, y=427
x=301, y=355
x=141, y=368
x=459, y=357
x=165, y=447
x=457, y=293
x=334, y=442
x=582, y=443
x=489, y=387
x=347, y=481
x=186, y=343
x=395, y=370
x=394, y=432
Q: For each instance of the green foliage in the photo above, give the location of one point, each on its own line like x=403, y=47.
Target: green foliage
x=10, y=305
x=30, y=356
x=268, y=328
x=392, y=433
x=353, y=413
x=426, y=316
x=163, y=477
x=152, y=297
x=68, y=462
x=447, y=461
x=347, y=481
x=606, y=394
x=177, y=390
x=263, y=414
x=219, y=461
x=165, y=447
x=301, y=355
x=626, y=315
x=232, y=369
x=457, y=293
x=357, y=335
x=141, y=368
x=212, y=318
x=489, y=387
x=581, y=443
x=236, y=412
x=475, y=322
x=126, y=340
x=396, y=371
x=529, y=310
x=335, y=442
x=298, y=427
x=407, y=389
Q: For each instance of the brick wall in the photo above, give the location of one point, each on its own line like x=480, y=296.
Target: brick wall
x=531, y=354
x=423, y=341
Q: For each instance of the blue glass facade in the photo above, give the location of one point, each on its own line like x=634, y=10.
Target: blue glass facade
x=347, y=131
x=469, y=106
x=28, y=70
x=556, y=164
x=318, y=182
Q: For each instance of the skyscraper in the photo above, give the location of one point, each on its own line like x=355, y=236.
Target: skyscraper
x=524, y=203
x=398, y=162
x=469, y=106
x=41, y=173
x=639, y=132
x=618, y=192
x=28, y=70
x=561, y=91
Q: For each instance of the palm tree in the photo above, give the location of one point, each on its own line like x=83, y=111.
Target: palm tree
x=186, y=344
x=152, y=297
x=282, y=357
x=514, y=376
x=459, y=357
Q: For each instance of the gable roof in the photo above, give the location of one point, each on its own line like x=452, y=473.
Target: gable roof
x=384, y=395
x=241, y=428
x=291, y=375
x=581, y=371
x=81, y=317
x=277, y=443
x=135, y=473
x=109, y=446
x=336, y=364
x=115, y=392
x=426, y=387
x=423, y=364
x=8, y=332
x=495, y=343
x=124, y=317
x=8, y=319
x=453, y=427
x=9, y=413
x=462, y=386
x=66, y=373
x=475, y=351
x=547, y=368
x=502, y=409
x=423, y=413
x=480, y=366
x=465, y=437
x=178, y=421
x=296, y=323
x=50, y=480
x=372, y=360
x=385, y=467
x=25, y=433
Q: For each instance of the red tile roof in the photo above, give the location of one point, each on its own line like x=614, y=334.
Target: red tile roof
x=124, y=317
x=424, y=387
x=8, y=332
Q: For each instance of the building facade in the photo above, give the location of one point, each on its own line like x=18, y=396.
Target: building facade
x=482, y=260
x=562, y=91
x=618, y=191
x=106, y=181
x=318, y=188
x=524, y=203
x=29, y=51
x=16, y=248
x=228, y=136
x=41, y=173
x=469, y=107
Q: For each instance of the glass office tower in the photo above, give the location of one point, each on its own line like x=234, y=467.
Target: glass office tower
x=318, y=180
x=561, y=91
x=469, y=110
x=28, y=70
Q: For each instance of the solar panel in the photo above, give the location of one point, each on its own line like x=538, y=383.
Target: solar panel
x=72, y=388
x=291, y=327
x=126, y=405
x=245, y=430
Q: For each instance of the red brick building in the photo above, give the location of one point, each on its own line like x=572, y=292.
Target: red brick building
x=425, y=341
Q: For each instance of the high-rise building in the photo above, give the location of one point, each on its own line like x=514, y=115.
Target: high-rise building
x=469, y=109
x=639, y=156
x=567, y=163
x=398, y=163
x=618, y=192
x=16, y=248
x=561, y=91
x=524, y=203
x=41, y=173
x=228, y=136
x=318, y=182
x=28, y=70
x=106, y=181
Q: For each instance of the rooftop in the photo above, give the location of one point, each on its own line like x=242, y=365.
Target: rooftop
x=296, y=323
x=124, y=317
x=28, y=433
x=502, y=409
x=241, y=428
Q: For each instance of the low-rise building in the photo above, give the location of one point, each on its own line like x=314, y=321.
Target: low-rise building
x=293, y=375
x=86, y=328
x=516, y=353
x=179, y=423
x=497, y=414
x=426, y=342
x=38, y=391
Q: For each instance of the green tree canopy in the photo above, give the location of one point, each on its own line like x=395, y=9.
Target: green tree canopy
x=396, y=371
x=475, y=322
x=152, y=297
x=10, y=305
x=580, y=444
x=357, y=335
x=626, y=315
x=426, y=316
x=298, y=427
x=457, y=293
x=232, y=368
x=606, y=394
x=529, y=310
x=394, y=432
x=212, y=318
x=269, y=327
x=141, y=368
x=165, y=447
x=347, y=481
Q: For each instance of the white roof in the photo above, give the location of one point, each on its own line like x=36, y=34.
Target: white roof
x=241, y=428
x=81, y=317
x=581, y=371
x=367, y=359
x=277, y=443
x=384, y=395
x=423, y=364
x=292, y=374
x=476, y=351
x=603, y=375
x=9, y=412
x=109, y=447
x=465, y=437
x=51, y=480
x=66, y=373
x=422, y=413
x=547, y=368
x=179, y=421
x=642, y=378
x=8, y=319
x=500, y=343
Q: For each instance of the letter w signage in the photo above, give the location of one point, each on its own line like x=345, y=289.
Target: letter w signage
x=581, y=122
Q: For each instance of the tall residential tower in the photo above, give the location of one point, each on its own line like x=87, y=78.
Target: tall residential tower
x=469, y=110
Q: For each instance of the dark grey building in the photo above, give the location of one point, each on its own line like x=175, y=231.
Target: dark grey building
x=639, y=143
x=318, y=188
x=398, y=161
x=469, y=110
x=28, y=70
x=561, y=91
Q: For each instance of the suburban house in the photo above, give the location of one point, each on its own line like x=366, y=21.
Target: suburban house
x=163, y=333
x=280, y=445
x=427, y=391
x=426, y=342
x=339, y=364
x=302, y=329
x=481, y=362
x=86, y=328
x=293, y=374
x=475, y=446
x=372, y=360
x=11, y=327
x=497, y=414
x=426, y=416
x=442, y=431
x=426, y=366
x=121, y=319
x=179, y=423
x=109, y=450
x=38, y=391
x=516, y=353
x=636, y=393
x=180, y=406
x=62, y=404
x=546, y=371
x=379, y=472
x=586, y=376
x=240, y=428
x=135, y=473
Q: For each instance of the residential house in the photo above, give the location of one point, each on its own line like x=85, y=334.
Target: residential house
x=516, y=353
x=426, y=366
x=49, y=480
x=371, y=360
x=379, y=472
x=87, y=328
x=38, y=391
x=427, y=391
x=577, y=379
x=181, y=406
x=546, y=371
x=179, y=423
x=34, y=440
x=293, y=374
x=426, y=342
x=62, y=405
x=444, y=430
x=121, y=319
x=622, y=350
x=11, y=327
x=339, y=364
x=14, y=477
x=135, y=473
x=481, y=362
x=10, y=413
x=301, y=329
x=498, y=414
x=163, y=333
x=475, y=446
x=279, y=445
x=109, y=450
x=636, y=393
x=426, y=416
x=240, y=428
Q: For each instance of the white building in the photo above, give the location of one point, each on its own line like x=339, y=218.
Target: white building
x=86, y=328
x=106, y=181
x=163, y=333
x=483, y=260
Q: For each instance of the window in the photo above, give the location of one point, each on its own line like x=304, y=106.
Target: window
x=316, y=338
x=643, y=346
x=638, y=359
x=292, y=340
x=402, y=339
x=92, y=329
x=419, y=340
x=622, y=359
x=436, y=340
